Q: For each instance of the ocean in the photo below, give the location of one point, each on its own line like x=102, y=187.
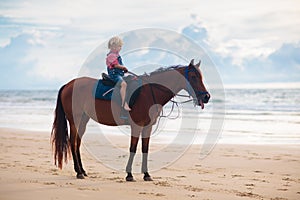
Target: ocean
x=248, y=116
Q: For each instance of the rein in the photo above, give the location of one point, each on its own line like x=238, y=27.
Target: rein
x=179, y=95
x=188, y=86
x=174, y=103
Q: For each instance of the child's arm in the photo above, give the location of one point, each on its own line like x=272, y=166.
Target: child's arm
x=122, y=67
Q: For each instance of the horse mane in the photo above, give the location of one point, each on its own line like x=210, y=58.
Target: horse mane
x=164, y=69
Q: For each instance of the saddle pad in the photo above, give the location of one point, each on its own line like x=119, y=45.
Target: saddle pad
x=106, y=92
x=102, y=91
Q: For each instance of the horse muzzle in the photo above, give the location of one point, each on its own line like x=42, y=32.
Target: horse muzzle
x=203, y=99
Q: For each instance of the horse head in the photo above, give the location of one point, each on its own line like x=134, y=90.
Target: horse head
x=194, y=84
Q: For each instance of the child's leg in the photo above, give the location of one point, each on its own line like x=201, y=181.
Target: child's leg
x=123, y=94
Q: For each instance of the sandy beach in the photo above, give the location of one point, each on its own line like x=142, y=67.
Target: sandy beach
x=229, y=172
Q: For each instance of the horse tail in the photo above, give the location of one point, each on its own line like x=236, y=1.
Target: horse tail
x=59, y=134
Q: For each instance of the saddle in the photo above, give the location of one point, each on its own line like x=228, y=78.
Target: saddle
x=107, y=81
x=104, y=89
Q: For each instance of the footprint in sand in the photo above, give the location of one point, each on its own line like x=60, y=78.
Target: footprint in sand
x=267, y=158
x=289, y=179
x=154, y=194
x=286, y=175
x=259, y=180
x=282, y=189
x=193, y=189
x=88, y=189
x=216, y=183
x=236, y=175
x=249, y=185
x=249, y=194
x=117, y=179
x=162, y=183
x=49, y=183
x=94, y=176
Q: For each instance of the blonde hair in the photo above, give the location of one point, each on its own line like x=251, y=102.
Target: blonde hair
x=115, y=41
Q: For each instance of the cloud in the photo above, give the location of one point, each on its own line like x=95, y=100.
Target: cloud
x=104, y=17
x=251, y=60
x=285, y=62
x=288, y=56
x=51, y=39
x=282, y=65
x=14, y=67
x=28, y=61
x=197, y=33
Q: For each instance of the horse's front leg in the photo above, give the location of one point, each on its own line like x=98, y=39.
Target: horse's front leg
x=145, y=148
x=135, y=133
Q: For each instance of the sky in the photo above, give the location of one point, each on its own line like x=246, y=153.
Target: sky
x=43, y=44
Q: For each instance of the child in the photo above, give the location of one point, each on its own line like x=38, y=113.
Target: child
x=115, y=67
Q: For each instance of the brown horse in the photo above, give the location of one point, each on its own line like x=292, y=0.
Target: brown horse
x=76, y=104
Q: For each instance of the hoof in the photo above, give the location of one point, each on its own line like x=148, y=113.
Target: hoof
x=85, y=174
x=80, y=176
x=147, y=177
x=130, y=178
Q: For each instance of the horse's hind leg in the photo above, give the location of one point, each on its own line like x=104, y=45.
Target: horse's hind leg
x=81, y=130
x=79, y=158
x=75, y=139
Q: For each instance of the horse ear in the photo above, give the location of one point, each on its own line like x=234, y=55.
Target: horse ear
x=198, y=64
x=191, y=63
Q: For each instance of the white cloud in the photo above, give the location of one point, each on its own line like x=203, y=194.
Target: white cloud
x=244, y=49
x=245, y=29
x=54, y=58
x=99, y=15
x=65, y=32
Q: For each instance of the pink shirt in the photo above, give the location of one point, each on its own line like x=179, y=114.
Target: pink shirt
x=112, y=60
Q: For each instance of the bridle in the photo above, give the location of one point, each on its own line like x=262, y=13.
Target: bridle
x=189, y=88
